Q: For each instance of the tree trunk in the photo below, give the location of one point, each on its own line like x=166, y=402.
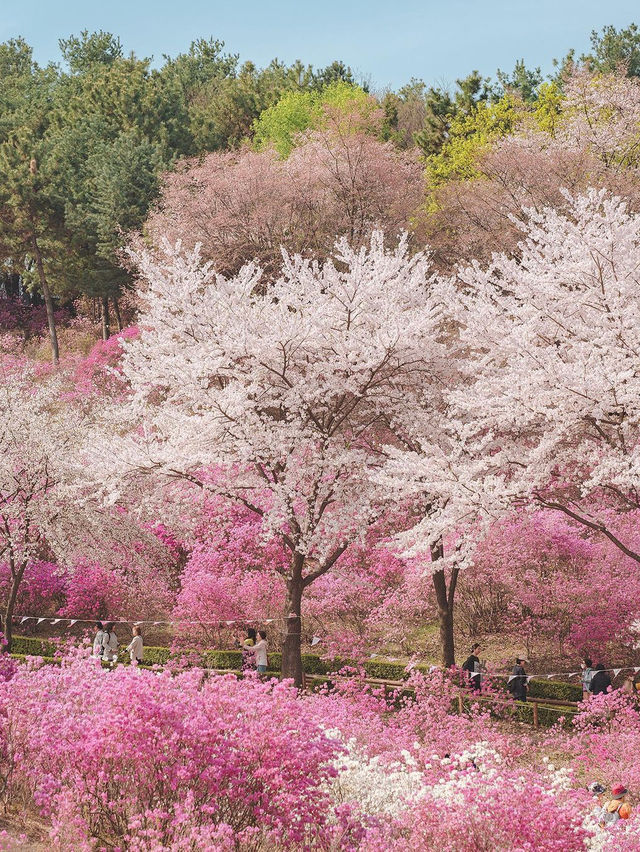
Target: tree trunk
x=291, y=649
x=16, y=579
x=445, y=599
x=116, y=311
x=46, y=293
x=106, y=327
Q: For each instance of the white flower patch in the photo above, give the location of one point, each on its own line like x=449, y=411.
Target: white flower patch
x=378, y=786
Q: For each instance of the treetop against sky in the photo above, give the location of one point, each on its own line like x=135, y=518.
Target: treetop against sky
x=385, y=43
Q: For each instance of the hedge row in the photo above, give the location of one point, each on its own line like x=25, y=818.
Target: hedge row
x=555, y=690
x=28, y=646
x=547, y=716
x=311, y=664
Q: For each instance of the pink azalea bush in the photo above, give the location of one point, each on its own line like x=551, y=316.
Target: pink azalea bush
x=24, y=321
x=151, y=761
x=231, y=574
x=93, y=591
x=428, y=778
x=364, y=600
x=485, y=809
x=42, y=589
x=606, y=739
x=542, y=578
x=98, y=372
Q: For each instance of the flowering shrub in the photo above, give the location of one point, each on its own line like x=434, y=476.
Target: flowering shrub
x=538, y=575
x=98, y=372
x=152, y=761
x=231, y=574
x=606, y=739
x=488, y=808
x=93, y=591
x=157, y=762
x=425, y=778
x=42, y=589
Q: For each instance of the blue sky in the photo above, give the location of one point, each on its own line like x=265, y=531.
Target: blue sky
x=388, y=42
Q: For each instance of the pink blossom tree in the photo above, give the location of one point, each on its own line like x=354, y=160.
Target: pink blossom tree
x=284, y=399
x=35, y=445
x=246, y=205
x=46, y=511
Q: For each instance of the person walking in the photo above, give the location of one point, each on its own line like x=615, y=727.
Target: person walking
x=260, y=649
x=518, y=681
x=472, y=666
x=587, y=674
x=136, y=647
x=97, y=640
x=600, y=682
x=109, y=643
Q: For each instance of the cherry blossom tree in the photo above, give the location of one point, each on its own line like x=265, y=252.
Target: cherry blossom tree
x=552, y=403
x=33, y=443
x=44, y=512
x=285, y=399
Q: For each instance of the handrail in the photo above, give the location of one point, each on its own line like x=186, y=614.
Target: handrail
x=553, y=704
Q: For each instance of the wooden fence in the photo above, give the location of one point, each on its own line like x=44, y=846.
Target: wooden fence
x=549, y=704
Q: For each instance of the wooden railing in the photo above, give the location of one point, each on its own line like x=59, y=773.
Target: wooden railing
x=563, y=707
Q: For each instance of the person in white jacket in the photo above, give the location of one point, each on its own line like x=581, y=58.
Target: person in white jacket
x=136, y=647
x=109, y=643
x=260, y=649
x=97, y=641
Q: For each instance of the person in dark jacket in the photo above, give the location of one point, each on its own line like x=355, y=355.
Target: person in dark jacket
x=472, y=666
x=518, y=681
x=600, y=682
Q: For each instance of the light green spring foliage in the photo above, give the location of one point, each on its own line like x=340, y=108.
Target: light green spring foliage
x=547, y=109
x=469, y=137
x=296, y=112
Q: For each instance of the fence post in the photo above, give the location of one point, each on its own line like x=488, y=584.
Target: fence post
x=535, y=714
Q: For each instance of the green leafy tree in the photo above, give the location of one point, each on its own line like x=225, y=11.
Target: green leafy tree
x=31, y=219
x=548, y=107
x=469, y=136
x=522, y=81
x=441, y=108
x=115, y=126
x=192, y=83
x=613, y=49
x=299, y=111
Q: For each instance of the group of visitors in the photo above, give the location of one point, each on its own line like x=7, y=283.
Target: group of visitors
x=106, y=644
x=254, y=651
x=595, y=679
x=517, y=683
